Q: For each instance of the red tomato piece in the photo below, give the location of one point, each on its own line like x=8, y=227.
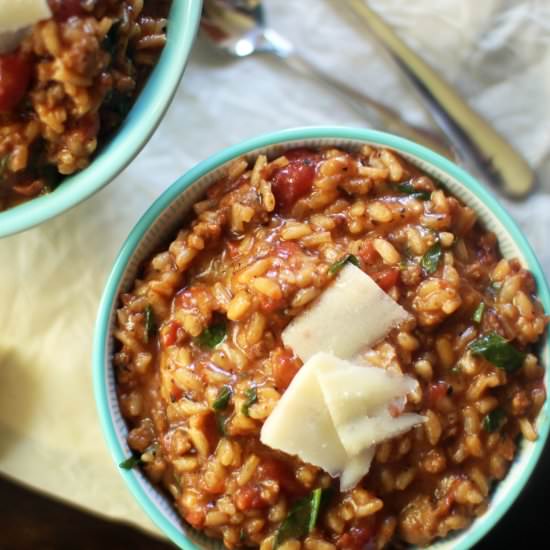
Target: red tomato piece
x=436, y=391
x=249, y=497
x=15, y=77
x=387, y=278
x=293, y=182
x=445, y=505
x=280, y=472
x=355, y=539
x=285, y=367
x=195, y=518
x=368, y=253
x=63, y=9
x=170, y=333
x=176, y=393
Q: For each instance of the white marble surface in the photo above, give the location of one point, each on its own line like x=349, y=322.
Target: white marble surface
x=496, y=52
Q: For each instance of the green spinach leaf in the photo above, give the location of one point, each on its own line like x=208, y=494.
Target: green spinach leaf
x=130, y=462
x=251, y=398
x=150, y=324
x=337, y=266
x=407, y=188
x=431, y=259
x=136, y=460
x=212, y=336
x=478, y=313
x=493, y=421
x=222, y=400
x=109, y=43
x=498, y=350
x=220, y=423
x=302, y=517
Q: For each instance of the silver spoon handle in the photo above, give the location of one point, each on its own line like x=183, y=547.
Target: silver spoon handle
x=274, y=43
x=477, y=143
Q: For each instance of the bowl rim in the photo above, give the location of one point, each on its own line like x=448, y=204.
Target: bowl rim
x=135, y=131
x=286, y=137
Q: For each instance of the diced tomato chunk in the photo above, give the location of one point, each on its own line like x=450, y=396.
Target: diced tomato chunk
x=195, y=518
x=285, y=367
x=280, y=472
x=293, y=182
x=63, y=9
x=436, y=391
x=15, y=76
x=176, y=393
x=249, y=497
x=387, y=278
x=444, y=506
x=355, y=539
x=169, y=333
x=368, y=253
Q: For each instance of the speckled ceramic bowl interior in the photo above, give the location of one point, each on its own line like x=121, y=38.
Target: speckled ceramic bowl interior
x=133, y=134
x=161, y=222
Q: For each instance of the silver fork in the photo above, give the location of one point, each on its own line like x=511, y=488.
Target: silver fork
x=237, y=27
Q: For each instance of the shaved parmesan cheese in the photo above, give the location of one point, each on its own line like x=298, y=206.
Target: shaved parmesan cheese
x=18, y=14
x=334, y=413
x=367, y=431
x=359, y=398
x=301, y=424
x=352, y=391
x=352, y=314
x=356, y=469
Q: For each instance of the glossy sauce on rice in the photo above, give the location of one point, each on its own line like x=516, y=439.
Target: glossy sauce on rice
x=200, y=363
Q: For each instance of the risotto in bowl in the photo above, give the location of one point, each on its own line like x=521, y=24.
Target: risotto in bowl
x=321, y=339
x=83, y=85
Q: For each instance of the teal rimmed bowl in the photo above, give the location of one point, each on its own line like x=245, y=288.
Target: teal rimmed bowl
x=133, y=134
x=161, y=222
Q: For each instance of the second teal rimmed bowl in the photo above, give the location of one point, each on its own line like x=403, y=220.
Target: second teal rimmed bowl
x=130, y=138
x=160, y=223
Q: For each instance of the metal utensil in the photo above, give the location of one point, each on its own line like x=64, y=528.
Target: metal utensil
x=238, y=28
x=479, y=146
